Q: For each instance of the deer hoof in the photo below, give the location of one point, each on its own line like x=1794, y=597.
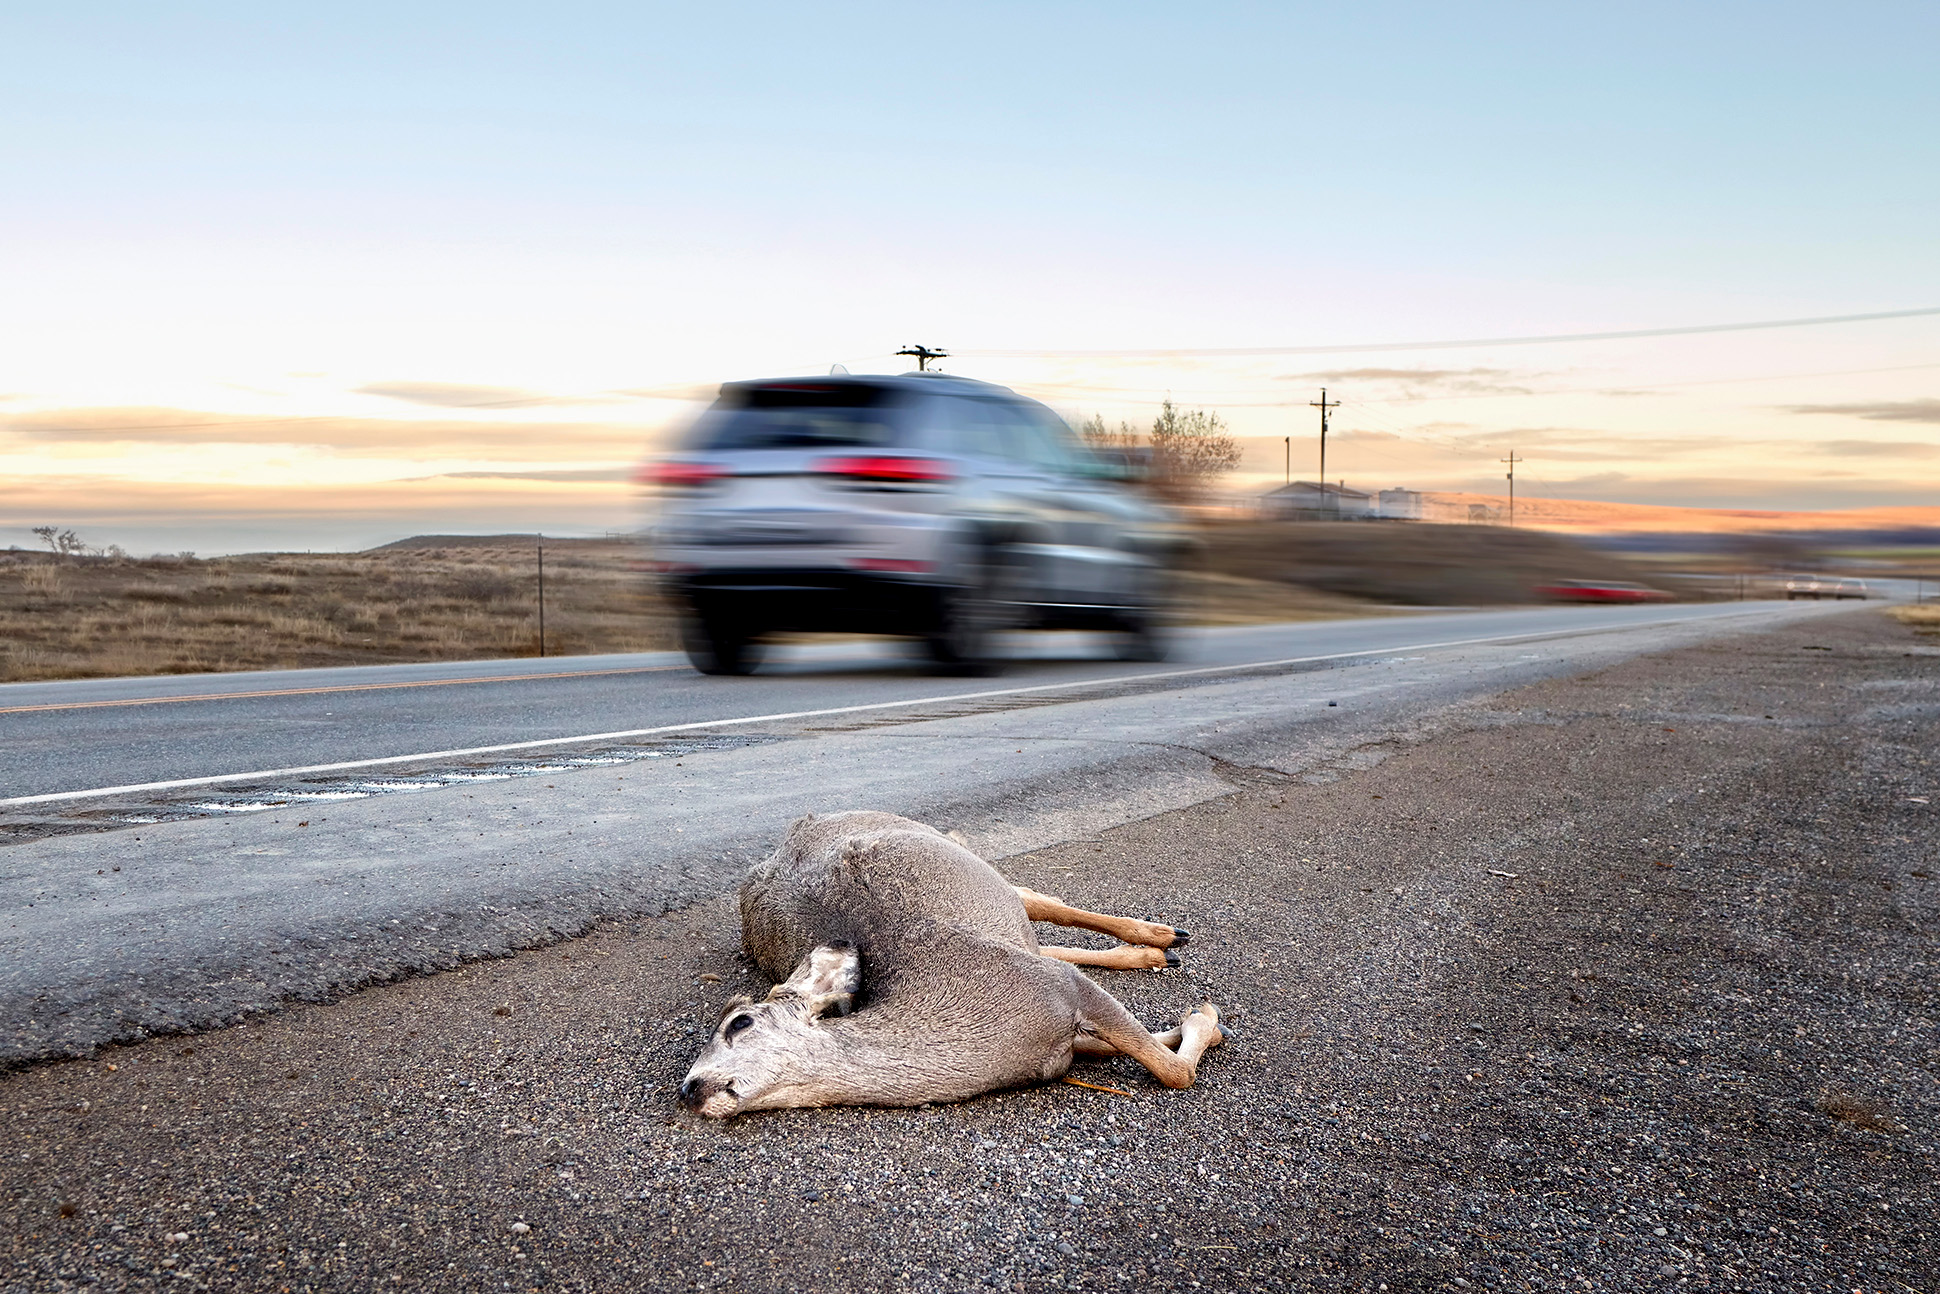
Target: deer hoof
x=1180, y=938
x=1171, y=958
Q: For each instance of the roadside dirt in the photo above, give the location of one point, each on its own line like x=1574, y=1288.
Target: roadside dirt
x=1629, y=987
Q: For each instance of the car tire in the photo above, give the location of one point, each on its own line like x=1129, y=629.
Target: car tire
x=971, y=618
x=1144, y=632
x=716, y=643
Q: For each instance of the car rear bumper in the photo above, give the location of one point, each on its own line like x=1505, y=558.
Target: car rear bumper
x=812, y=600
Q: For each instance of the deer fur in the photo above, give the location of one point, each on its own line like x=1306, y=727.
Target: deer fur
x=908, y=972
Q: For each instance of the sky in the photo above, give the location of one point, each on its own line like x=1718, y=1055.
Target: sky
x=284, y=278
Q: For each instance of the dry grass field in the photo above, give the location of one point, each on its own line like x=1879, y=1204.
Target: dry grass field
x=1924, y=618
x=76, y=617
x=424, y=599
x=476, y=597
x=1413, y=563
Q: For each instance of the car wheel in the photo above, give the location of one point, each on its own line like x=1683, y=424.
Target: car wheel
x=971, y=618
x=1144, y=632
x=719, y=644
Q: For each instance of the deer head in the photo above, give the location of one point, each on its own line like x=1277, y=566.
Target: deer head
x=772, y=1053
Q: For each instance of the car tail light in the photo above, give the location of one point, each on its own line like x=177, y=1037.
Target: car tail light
x=888, y=468
x=679, y=475
x=892, y=565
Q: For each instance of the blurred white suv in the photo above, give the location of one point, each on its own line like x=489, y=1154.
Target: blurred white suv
x=927, y=505
x=1824, y=586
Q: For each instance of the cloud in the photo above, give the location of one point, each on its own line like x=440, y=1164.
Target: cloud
x=1584, y=445
x=1747, y=492
x=1877, y=410
x=1472, y=381
x=359, y=437
x=681, y=391
x=542, y=474
x=464, y=395
x=1875, y=449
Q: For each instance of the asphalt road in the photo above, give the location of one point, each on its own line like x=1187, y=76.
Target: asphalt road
x=1617, y=980
x=301, y=888
x=89, y=734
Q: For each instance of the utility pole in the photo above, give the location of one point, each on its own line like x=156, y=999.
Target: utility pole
x=1289, y=441
x=1323, y=404
x=923, y=355
x=1512, y=460
x=542, y=594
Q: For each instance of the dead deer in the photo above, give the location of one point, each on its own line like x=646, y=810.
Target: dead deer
x=909, y=973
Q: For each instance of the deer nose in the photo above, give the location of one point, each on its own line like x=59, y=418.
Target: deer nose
x=695, y=1091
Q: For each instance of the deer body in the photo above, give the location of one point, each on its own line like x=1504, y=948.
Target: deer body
x=960, y=998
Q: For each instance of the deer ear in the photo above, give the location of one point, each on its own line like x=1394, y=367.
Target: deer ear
x=826, y=981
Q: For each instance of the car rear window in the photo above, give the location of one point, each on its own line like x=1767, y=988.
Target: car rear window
x=804, y=415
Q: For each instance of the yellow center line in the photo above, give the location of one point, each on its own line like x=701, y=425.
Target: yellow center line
x=341, y=687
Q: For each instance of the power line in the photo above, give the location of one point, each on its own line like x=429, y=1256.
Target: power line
x=1209, y=393
x=1125, y=394
x=1548, y=339
x=1656, y=386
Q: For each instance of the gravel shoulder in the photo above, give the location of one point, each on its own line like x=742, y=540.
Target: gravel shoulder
x=1631, y=985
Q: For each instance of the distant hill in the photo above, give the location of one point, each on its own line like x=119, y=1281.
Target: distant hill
x=418, y=543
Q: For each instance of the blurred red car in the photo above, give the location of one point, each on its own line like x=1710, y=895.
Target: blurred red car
x=1601, y=591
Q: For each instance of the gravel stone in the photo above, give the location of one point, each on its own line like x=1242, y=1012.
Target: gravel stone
x=1691, y=1044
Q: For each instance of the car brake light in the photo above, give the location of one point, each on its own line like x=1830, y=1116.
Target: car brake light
x=892, y=565
x=677, y=475
x=884, y=467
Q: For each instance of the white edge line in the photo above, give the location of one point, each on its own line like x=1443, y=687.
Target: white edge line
x=308, y=769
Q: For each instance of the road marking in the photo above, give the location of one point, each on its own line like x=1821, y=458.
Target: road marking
x=341, y=687
x=697, y=725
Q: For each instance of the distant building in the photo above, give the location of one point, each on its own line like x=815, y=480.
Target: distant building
x=1400, y=505
x=1316, y=500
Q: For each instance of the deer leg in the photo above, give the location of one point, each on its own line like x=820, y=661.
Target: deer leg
x=1108, y=1021
x=1199, y=1033
x=1098, y=1049
x=1123, y=957
x=1042, y=907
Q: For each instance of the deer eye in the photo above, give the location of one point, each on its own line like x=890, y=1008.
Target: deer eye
x=736, y=1025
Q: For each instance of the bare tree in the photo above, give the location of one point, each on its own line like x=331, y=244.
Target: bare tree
x=1181, y=454
x=64, y=542
x=1100, y=435
x=1189, y=448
